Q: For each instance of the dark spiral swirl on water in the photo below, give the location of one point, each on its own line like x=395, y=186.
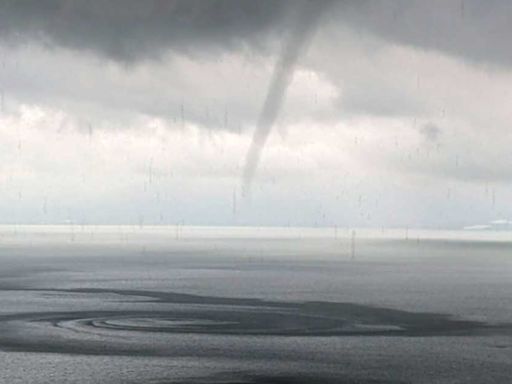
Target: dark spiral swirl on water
x=120, y=331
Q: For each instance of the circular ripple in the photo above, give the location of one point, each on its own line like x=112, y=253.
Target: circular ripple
x=214, y=321
x=134, y=331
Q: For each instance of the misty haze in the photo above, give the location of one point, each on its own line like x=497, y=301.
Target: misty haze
x=255, y=192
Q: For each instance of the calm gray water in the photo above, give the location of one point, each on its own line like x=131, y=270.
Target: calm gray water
x=226, y=305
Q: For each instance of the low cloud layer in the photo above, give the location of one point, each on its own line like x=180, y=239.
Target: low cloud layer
x=131, y=30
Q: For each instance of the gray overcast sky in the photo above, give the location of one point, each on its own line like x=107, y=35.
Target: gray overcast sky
x=395, y=113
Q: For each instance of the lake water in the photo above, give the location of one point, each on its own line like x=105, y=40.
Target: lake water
x=177, y=304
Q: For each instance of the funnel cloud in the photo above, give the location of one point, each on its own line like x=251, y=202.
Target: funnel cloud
x=303, y=28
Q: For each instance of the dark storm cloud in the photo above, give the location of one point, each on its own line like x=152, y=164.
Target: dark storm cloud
x=131, y=29
x=476, y=30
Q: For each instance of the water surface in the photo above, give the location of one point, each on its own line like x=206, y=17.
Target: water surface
x=254, y=305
